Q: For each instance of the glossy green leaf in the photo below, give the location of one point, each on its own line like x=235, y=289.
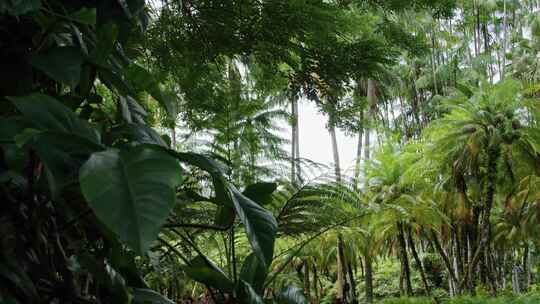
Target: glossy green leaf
x=148, y=296
x=206, y=272
x=248, y=295
x=48, y=114
x=103, y=273
x=131, y=191
x=214, y=169
x=85, y=16
x=114, y=81
x=14, y=156
x=140, y=77
x=260, y=192
x=131, y=110
x=143, y=134
x=225, y=216
x=21, y=283
x=18, y=7
x=166, y=99
x=106, y=36
x=259, y=223
x=62, y=155
x=62, y=64
x=254, y=272
x=291, y=295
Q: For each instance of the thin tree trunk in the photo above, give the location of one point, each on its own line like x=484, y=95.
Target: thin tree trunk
x=406, y=271
x=359, y=150
x=341, y=293
x=366, y=145
x=294, y=128
x=352, y=284
x=515, y=276
x=335, y=150
x=503, y=55
x=485, y=239
x=173, y=135
x=372, y=101
x=297, y=142
x=307, y=285
x=526, y=266
x=418, y=262
x=368, y=278
x=315, y=280
x=446, y=260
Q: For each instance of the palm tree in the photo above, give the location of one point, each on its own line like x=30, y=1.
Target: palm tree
x=478, y=140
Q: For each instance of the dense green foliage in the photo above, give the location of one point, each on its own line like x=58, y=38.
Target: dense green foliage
x=143, y=157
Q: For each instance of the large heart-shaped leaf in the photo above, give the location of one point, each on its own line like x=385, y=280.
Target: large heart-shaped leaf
x=49, y=114
x=131, y=191
x=260, y=225
x=62, y=154
x=204, y=271
x=62, y=64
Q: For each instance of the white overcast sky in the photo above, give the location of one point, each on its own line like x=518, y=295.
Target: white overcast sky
x=315, y=143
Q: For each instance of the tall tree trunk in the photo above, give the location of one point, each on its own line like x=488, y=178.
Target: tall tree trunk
x=352, y=283
x=307, y=285
x=404, y=257
x=527, y=266
x=335, y=151
x=315, y=281
x=341, y=272
x=515, y=275
x=485, y=238
x=368, y=278
x=297, y=141
x=359, y=150
x=446, y=260
x=366, y=145
x=418, y=262
x=372, y=101
x=294, y=128
x=173, y=137
x=505, y=30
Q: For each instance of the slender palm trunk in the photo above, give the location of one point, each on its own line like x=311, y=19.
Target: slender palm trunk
x=352, y=283
x=315, y=281
x=368, y=278
x=444, y=256
x=297, y=142
x=294, y=127
x=418, y=262
x=173, y=137
x=341, y=272
x=359, y=151
x=335, y=151
x=404, y=257
x=307, y=285
x=485, y=238
x=503, y=55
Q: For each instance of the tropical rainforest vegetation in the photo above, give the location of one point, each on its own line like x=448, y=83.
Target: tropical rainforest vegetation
x=150, y=151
